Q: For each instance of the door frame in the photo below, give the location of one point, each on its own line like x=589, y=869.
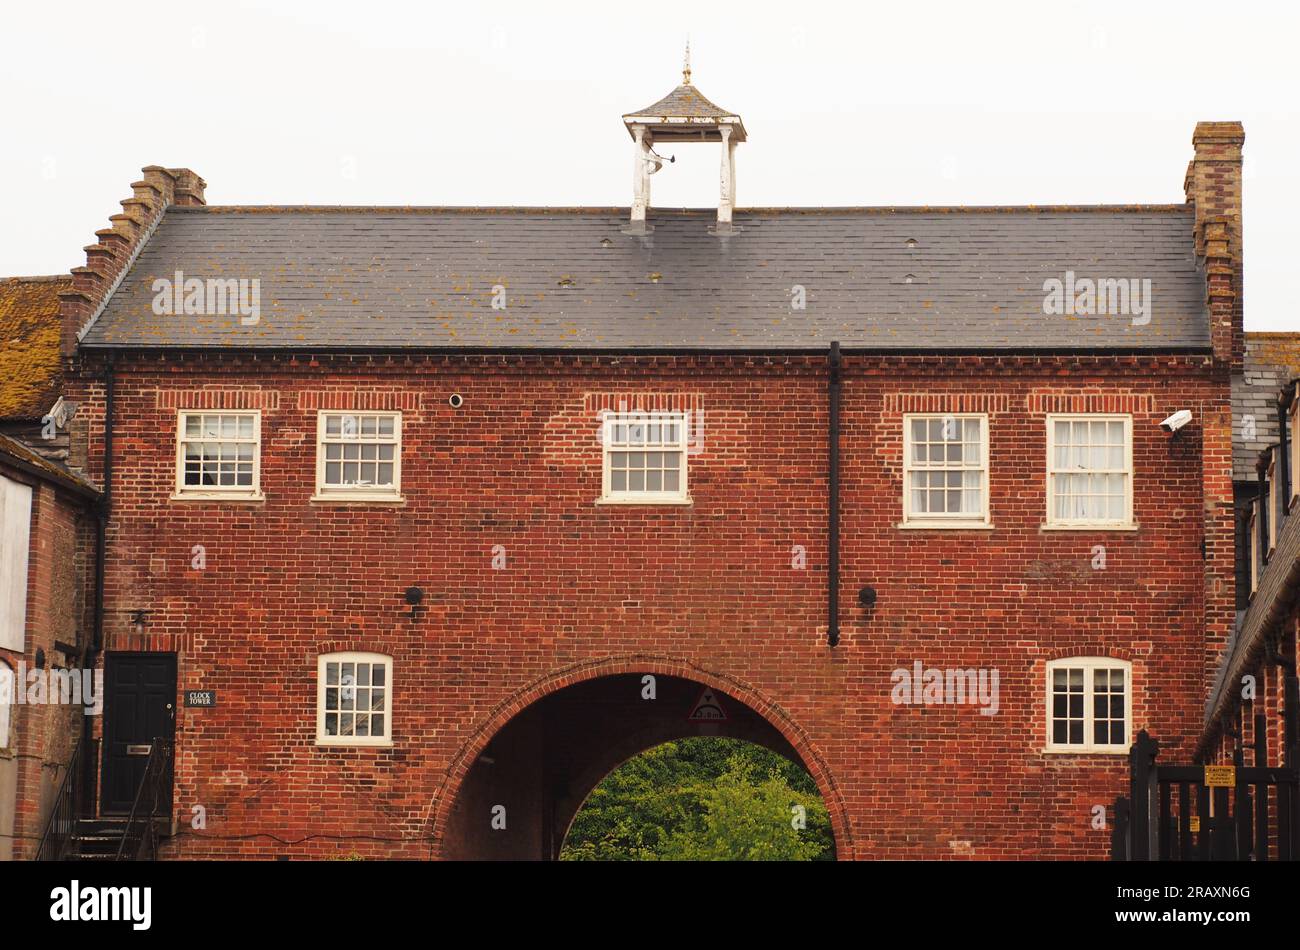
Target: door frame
x=109, y=657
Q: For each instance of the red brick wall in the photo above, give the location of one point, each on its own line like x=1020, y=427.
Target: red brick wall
x=60, y=557
x=710, y=585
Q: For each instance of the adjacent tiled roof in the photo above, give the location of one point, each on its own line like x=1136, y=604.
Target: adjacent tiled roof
x=14, y=452
x=684, y=102
x=31, y=375
x=966, y=279
x=1272, y=361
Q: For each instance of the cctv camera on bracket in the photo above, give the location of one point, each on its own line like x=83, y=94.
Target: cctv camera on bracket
x=1177, y=421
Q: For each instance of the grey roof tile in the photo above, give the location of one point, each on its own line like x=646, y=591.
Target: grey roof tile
x=333, y=277
x=1272, y=361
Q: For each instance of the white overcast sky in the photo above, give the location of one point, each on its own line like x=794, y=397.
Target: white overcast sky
x=495, y=103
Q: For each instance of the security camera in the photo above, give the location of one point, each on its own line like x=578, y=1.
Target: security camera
x=1177, y=420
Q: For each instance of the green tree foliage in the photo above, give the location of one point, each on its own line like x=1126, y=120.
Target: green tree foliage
x=702, y=799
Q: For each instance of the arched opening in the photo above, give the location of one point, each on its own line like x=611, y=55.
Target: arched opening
x=530, y=773
x=704, y=798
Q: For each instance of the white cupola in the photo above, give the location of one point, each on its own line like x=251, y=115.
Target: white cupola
x=684, y=115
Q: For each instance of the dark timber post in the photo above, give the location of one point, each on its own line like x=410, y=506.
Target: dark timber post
x=1142, y=776
x=1119, y=831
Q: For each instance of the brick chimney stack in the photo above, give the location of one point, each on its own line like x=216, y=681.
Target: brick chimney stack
x=1213, y=188
x=118, y=245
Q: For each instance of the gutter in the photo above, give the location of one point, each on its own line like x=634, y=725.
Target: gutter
x=833, y=502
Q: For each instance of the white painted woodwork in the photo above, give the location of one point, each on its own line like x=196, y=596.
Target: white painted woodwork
x=15, y=538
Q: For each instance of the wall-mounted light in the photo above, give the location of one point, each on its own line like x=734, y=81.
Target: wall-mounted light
x=414, y=596
x=867, y=597
x=139, y=619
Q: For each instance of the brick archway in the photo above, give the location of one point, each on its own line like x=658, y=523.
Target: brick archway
x=762, y=721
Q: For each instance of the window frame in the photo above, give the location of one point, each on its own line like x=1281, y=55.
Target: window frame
x=913, y=519
x=217, y=493
x=1293, y=445
x=1252, y=526
x=1090, y=524
x=1274, y=498
x=7, y=703
x=1090, y=664
x=353, y=656
x=681, y=496
x=339, y=493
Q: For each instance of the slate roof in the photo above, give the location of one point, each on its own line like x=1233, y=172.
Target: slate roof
x=897, y=279
x=684, y=102
x=1272, y=361
x=31, y=375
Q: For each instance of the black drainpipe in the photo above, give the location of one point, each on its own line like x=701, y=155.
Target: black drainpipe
x=90, y=761
x=105, y=502
x=833, y=556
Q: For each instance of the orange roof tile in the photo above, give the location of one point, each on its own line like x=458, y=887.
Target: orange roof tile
x=31, y=376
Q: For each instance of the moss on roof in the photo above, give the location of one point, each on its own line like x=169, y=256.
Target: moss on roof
x=31, y=376
x=1280, y=350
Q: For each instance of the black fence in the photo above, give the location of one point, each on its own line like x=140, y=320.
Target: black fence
x=1206, y=813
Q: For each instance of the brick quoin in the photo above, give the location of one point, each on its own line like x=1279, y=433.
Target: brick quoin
x=704, y=592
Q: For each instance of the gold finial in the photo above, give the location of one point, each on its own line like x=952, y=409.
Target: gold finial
x=686, y=65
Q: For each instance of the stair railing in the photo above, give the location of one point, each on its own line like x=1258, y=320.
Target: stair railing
x=57, y=838
x=140, y=837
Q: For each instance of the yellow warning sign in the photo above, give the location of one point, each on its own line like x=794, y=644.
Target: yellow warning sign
x=1220, y=776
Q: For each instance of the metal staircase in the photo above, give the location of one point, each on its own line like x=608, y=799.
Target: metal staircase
x=73, y=835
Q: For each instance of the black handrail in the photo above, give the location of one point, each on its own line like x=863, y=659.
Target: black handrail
x=56, y=840
x=140, y=837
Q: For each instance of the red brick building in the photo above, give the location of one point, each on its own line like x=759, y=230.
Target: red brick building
x=1252, y=716
x=450, y=511
x=48, y=527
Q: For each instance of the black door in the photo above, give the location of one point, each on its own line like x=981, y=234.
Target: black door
x=139, y=706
